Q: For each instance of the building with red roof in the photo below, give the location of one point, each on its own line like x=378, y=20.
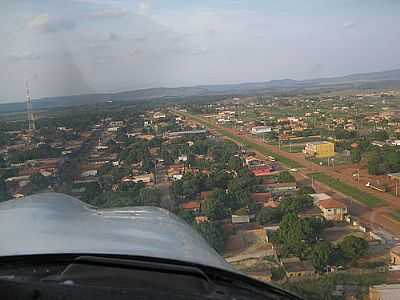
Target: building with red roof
x=262, y=171
x=332, y=209
x=191, y=206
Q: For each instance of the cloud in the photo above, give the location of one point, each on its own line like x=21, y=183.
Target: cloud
x=200, y=51
x=110, y=13
x=349, y=25
x=43, y=23
x=143, y=7
x=24, y=57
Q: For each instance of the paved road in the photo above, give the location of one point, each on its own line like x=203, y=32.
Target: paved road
x=163, y=185
x=376, y=218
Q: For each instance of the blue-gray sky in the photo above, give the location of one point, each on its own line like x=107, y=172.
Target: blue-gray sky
x=66, y=47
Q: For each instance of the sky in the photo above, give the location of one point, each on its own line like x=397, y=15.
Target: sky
x=69, y=47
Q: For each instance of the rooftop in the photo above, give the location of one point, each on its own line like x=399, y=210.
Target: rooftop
x=331, y=203
x=387, y=291
x=319, y=143
x=396, y=250
x=191, y=205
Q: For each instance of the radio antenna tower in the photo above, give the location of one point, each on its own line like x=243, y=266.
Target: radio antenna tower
x=31, y=116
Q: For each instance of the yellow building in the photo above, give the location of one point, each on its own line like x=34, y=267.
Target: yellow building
x=395, y=255
x=320, y=149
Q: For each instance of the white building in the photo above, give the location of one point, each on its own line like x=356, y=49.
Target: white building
x=261, y=129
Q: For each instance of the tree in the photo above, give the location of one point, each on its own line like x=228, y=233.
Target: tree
x=219, y=179
x=306, y=189
x=150, y=197
x=290, y=235
x=353, y=247
x=147, y=165
x=186, y=215
x=285, y=177
x=3, y=190
x=380, y=135
x=92, y=191
x=321, y=255
x=375, y=163
x=355, y=155
x=3, y=163
x=235, y=163
x=268, y=215
x=4, y=139
x=295, y=204
x=213, y=233
x=38, y=181
x=213, y=207
x=296, y=235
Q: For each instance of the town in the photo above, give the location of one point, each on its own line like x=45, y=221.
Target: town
x=300, y=191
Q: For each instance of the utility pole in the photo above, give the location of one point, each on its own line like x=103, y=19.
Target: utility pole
x=155, y=172
x=358, y=178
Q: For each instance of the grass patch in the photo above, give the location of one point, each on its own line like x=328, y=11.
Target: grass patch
x=293, y=149
x=284, y=160
x=355, y=193
x=396, y=215
x=322, y=288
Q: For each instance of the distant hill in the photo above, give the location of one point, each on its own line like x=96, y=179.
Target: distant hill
x=374, y=80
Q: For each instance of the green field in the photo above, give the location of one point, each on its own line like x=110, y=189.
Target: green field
x=355, y=193
x=284, y=160
x=293, y=149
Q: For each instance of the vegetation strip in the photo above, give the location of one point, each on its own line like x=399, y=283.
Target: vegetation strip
x=286, y=161
x=359, y=195
x=396, y=215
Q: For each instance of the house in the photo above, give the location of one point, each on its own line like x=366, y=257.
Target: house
x=113, y=129
x=145, y=178
x=116, y=123
x=205, y=194
x=260, y=129
x=378, y=144
x=177, y=177
x=238, y=219
x=159, y=115
x=186, y=132
x=395, y=255
x=193, y=206
x=201, y=219
x=262, y=171
x=384, y=292
x=297, y=269
x=321, y=149
x=282, y=187
x=394, y=176
x=261, y=198
x=183, y=158
x=319, y=197
x=175, y=170
x=252, y=161
x=332, y=209
x=89, y=173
